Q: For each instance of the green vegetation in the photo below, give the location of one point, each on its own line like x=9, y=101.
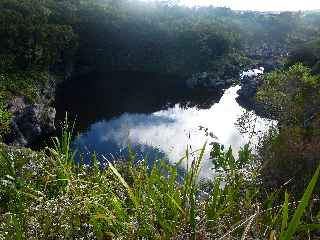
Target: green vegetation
x=22, y=84
x=292, y=97
x=134, y=35
x=308, y=54
x=5, y=117
x=50, y=195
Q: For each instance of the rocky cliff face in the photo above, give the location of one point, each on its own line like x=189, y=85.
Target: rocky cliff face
x=208, y=80
x=247, y=97
x=247, y=93
x=31, y=121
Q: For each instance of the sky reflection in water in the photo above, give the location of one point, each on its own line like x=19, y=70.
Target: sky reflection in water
x=167, y=132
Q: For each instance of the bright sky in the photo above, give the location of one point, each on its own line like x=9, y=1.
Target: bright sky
x=258, y=5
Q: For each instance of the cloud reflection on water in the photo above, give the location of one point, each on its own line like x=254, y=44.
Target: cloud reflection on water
x=168, y=130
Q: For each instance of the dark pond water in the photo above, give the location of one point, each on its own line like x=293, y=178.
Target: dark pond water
x=157, y=115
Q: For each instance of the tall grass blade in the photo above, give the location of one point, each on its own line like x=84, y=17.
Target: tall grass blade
x=193, y=181
x=294, y=223
x=284, y=222
x=175, y=203
x=123, y=182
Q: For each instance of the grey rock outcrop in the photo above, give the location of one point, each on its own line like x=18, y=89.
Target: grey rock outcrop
x=247, y=97
x=248, y=88
x=32, y=120
x=206, y=80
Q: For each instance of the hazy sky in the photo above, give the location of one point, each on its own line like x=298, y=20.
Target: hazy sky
x=259, y=5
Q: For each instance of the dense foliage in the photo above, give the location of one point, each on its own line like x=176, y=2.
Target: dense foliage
x=308, y=54
x=292, y=97
x=136, y=35
x=28, y=39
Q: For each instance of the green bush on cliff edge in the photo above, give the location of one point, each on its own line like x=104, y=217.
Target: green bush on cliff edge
x=5, y=118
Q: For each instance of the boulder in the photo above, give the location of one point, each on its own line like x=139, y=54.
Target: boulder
x=30, y=122
x=32, y=118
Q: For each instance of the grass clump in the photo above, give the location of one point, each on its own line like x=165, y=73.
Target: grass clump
x=50, y=195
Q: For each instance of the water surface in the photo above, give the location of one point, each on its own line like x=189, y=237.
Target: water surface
x=160, y=129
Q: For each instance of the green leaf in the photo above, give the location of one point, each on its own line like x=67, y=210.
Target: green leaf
x=123, y=182
x=284, y=223
x=295, y=221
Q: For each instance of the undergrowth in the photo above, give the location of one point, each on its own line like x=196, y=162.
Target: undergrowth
x=51, y=195
x=5, y=119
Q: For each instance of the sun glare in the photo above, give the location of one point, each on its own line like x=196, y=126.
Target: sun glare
x=261, y=5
